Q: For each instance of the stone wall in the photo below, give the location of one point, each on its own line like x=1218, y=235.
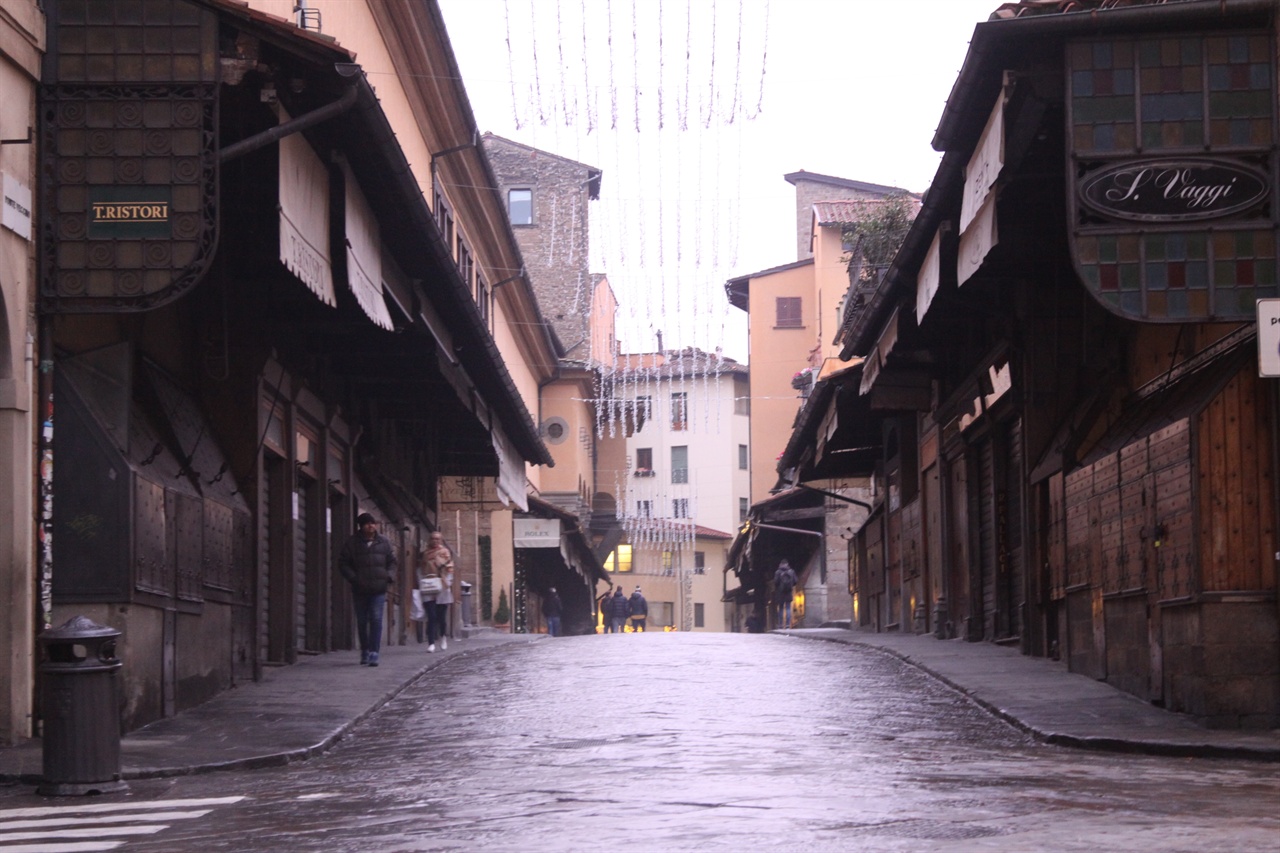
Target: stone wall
x=1222, y=662
x=555, y=245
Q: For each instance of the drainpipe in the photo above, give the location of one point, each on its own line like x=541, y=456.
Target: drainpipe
x=302, y=122
x=44, y=538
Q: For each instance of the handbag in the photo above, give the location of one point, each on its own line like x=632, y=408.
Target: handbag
x=431, y=585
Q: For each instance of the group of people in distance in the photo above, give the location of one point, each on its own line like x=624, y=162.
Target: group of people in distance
x=617, y=609
x=368, y=562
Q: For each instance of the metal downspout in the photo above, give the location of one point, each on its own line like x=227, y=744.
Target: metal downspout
x=294, y=125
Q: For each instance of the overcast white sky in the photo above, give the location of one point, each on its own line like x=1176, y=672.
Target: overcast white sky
x=695, y=109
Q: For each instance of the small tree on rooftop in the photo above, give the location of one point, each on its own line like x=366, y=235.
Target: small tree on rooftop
x=876, y=236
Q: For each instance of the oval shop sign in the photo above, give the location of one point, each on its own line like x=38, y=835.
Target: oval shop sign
x=1173, y=190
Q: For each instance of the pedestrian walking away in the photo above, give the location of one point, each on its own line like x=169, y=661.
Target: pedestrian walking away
x=604, y=607
x=619, y=610
x=638, y=610
x=551, y=609
x=784, y=585
x=435, y=581
x=368, y=562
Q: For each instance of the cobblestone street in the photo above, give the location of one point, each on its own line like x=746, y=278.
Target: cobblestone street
x=681, y=742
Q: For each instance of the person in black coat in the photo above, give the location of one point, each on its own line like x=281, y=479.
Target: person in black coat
x=604, y=607
x=551, y=609
x=368, y=562
x=619, y=610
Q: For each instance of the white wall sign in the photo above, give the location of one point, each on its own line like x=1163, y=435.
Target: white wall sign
x=986, y=163
x=1269, y=338
x=15, y=207
x=536, y=532
x=927, y=279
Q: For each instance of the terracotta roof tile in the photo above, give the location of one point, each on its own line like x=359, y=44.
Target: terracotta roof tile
x=848, y=211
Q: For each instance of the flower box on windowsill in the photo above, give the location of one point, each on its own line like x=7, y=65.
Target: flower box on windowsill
x=644, y=472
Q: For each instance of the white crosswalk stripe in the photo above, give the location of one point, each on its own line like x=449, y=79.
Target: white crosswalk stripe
x=103, y=826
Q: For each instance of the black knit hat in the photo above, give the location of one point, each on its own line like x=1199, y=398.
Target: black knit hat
x=365, y=518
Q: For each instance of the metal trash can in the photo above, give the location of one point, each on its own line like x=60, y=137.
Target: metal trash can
x=468, y=617
x=80, y=705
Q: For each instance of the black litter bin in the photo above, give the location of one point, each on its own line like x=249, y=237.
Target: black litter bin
x=80, y=705
x=468, y=614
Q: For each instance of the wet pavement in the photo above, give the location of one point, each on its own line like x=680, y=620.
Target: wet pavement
x=675, y=741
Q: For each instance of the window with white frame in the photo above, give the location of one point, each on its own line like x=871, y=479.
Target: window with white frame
x=680, y=463
x=520, y=206
x=679, y=411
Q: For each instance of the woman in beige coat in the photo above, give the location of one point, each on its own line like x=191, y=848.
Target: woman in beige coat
x=437, y=561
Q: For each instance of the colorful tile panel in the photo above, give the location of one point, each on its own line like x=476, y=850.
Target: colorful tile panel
x=1173, y=275
x=1170, y=94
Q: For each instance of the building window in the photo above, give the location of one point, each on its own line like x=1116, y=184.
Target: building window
x=441, y=211
x=465, y=267
x=668, y=563
x=483, y=298
x=644, y=462
x=788, y=313
x=744, y=508
x=741, y=396
x=520, y=206
x=742, y=457
x=619, y=560
x=699, y=562
x=644, y=509
x=680, y=508
x=699, y=615
x=679, y=411
x=680, y=464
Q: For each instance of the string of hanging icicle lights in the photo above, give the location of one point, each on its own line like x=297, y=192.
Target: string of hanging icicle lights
x=653, y=92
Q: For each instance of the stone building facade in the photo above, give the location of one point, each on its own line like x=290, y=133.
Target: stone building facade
x=547, y=196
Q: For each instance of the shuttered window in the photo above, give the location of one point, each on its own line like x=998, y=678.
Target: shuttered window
x=788, y=312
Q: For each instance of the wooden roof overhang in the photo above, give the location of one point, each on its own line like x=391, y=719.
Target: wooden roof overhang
x=407, y=376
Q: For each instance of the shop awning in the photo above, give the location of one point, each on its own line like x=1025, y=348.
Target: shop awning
x=364, y=254
x=304, y=216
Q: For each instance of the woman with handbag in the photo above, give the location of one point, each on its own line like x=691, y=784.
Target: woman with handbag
x=435, y=581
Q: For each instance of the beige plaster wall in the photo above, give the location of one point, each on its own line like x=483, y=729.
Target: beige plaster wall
x=775, y=356
x=22, y=35
x=565, y=399
x=604, y=315
x=831, y=280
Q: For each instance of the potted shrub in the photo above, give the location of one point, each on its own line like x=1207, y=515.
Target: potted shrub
x=502, y=615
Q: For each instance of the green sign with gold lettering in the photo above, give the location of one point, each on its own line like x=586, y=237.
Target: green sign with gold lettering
x=129, y=212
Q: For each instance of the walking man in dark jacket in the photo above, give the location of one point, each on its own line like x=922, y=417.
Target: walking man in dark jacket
x=551, y=609
x=639, y=611
x=618, y=610
x=784, y=585
x=368, y=562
